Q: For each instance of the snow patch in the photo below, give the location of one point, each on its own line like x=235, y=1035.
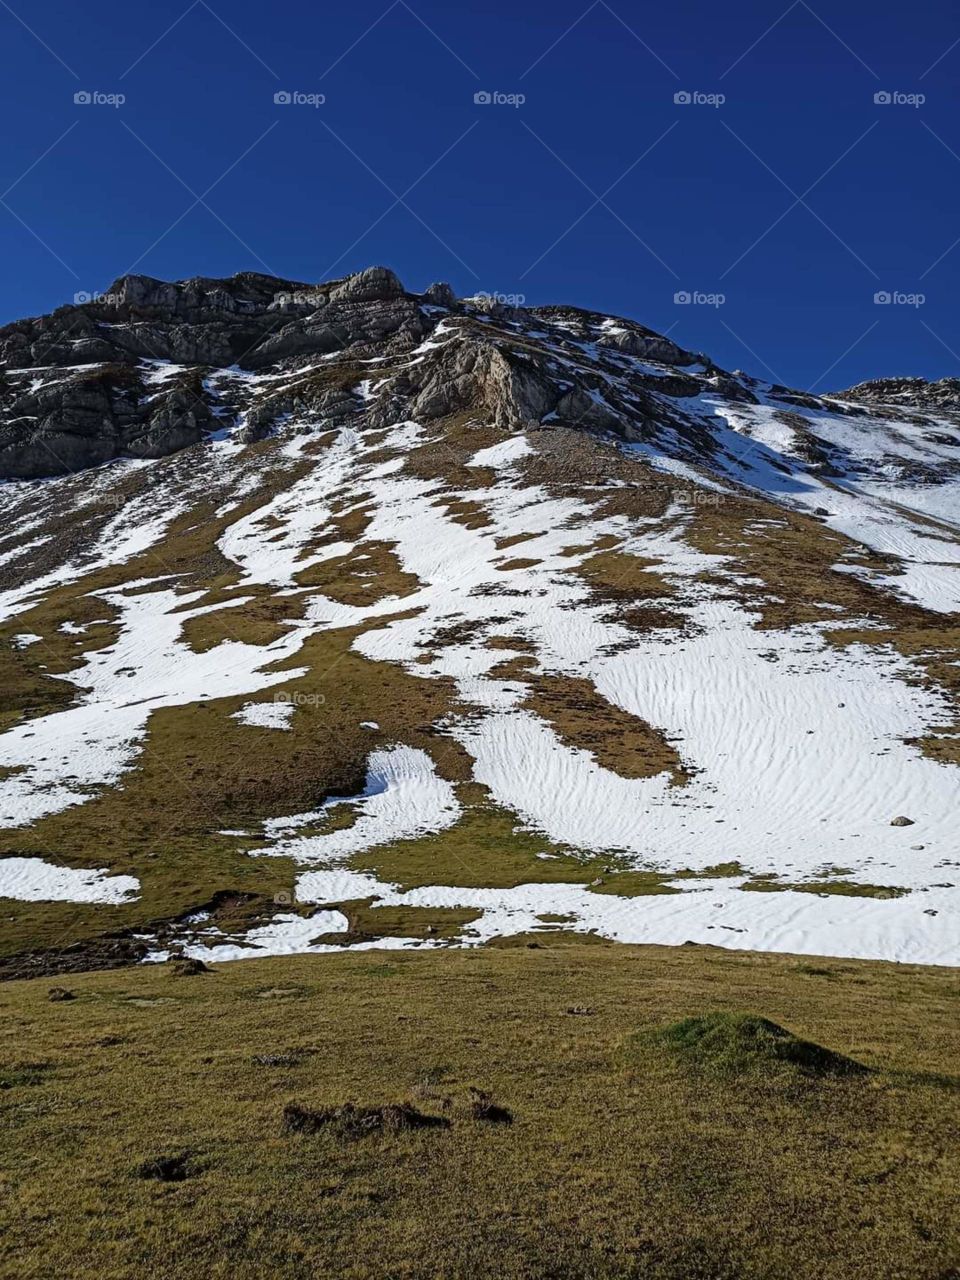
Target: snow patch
x=34, y=880
x=265, y=715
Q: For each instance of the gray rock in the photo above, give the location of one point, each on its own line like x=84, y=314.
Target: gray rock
x=439, y=295
x=375, y=284
x=471, y=373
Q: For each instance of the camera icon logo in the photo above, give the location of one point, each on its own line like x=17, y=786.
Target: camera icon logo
x=83, y=98
x=882, y=298
x=882, y=98
x=483, y=98
x=682, y=98
x=282, y=98
x=682, y=298
x=80, y=299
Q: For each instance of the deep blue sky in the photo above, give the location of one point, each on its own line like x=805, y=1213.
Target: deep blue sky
x=799, y=111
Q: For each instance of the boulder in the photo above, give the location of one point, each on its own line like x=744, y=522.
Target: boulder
x=375, y=284
x=439, y=295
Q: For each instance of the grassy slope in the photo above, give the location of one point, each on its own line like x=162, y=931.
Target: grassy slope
x=613, y=1167
x=201, y=772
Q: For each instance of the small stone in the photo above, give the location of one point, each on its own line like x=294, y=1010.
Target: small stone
x=901, y=821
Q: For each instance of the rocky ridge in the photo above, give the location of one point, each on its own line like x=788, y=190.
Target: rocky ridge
x=150, y=368
x=137, y=371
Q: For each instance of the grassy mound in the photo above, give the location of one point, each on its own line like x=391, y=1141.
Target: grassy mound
x=737, y=1044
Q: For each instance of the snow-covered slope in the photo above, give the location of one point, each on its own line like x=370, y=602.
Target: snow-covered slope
x=530, y=617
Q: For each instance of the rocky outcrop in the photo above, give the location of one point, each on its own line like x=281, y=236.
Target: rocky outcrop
x=149, y=368
x=439, y=295
x=477, y=376
x=914, y=392
x=91, y=416
x=376, y=284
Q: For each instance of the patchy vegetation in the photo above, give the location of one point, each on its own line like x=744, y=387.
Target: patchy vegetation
x=841, y=888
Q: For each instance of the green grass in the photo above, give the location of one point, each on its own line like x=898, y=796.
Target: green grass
x=737, y=1044
x=487, y=848
x=652, y=1165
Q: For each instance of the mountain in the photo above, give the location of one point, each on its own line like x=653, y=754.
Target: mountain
x=338, y=615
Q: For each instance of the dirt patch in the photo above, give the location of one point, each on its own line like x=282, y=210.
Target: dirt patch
x=109, y=952
x=465, y=511
x=519, y=563
x=517, y=668
x=481, y=1106
x=167, y=1168
x=502, y=544
x=350, y=1122
x=519, y=644
x=228, y=908
x=367, y=574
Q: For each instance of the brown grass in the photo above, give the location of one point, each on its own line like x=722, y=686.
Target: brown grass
x=613, y=1168
x=619, y=741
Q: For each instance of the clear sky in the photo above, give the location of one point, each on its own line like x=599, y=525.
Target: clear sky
x=782, y=209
